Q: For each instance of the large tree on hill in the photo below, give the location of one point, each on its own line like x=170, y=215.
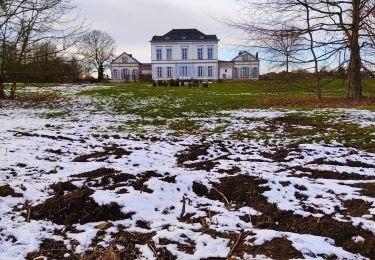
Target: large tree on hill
x=97, y=49
x=328, y=27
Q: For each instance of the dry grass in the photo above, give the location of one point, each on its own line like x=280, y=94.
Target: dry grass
x=316, y=103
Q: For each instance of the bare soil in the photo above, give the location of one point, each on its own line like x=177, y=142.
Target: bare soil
x=6, y=190
x=52, y=249
x=101, y=156
x=248, y=192
x=76, y=207
x=192, y=153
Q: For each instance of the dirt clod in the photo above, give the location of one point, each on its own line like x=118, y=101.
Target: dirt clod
x=277, y=248
x=101, y=156
x=51, y=249
x=200, y=189
x=76, y=207
x=192, y=153
x=6, y=191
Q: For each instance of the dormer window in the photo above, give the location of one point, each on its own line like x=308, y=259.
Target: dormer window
x=125, y=60
x=183, y=37
x=201, y=37
x=167, y=38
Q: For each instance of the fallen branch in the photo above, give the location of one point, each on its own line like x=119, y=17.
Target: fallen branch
x=153, y=249
x=183, y=208
x=228, y=205
x=235, y=245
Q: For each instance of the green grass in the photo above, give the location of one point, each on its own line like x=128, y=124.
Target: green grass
x=179, y=110
x=171, y=102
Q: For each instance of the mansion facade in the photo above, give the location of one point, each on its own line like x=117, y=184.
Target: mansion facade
x=186, y=54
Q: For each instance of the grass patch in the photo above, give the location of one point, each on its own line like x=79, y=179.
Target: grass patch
x=171, y=102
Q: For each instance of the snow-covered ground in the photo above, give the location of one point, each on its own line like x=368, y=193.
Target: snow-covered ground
x=195, y=198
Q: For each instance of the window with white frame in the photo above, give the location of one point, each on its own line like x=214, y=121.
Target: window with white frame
x=114, y=72
x=159, y=72
x=169, y=54
x=124, y=73
x=254, y=72
x=159, y=54
x=210, y=53
x=184, y=53
x=125, y=60
x=200, y=71
x=200, y=53
x=245, y=72
x=183, y=71
x=169, y=72
x=210, y=71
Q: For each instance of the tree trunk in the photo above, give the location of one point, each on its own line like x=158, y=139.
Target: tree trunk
x=312, y=50
x=13, y=91
x=355, y=64
x=2, y=88
x=101, y=73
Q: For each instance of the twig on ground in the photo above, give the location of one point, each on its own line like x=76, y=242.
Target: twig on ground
x=153, y=249
x=183, y=208
x=28, y=208
x=228, y=205
x=235, y=245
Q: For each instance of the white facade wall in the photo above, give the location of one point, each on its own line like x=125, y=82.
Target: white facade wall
x=225, y=71
x=192, y=63
x=119, y=75
x=124, y=68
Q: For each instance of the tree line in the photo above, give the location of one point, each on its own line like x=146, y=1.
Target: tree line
x=46, y=41
x=313, y=33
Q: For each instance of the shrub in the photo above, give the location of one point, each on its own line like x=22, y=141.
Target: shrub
x=195, y=83
x=182, y=83
x=189, y=85
x=160, y=83
x=171, y=83
x=154, y=84
x=205, y=84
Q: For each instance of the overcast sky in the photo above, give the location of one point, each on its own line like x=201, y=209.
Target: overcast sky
x=132, y=23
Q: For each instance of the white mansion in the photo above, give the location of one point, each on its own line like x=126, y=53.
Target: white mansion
x=185, y=54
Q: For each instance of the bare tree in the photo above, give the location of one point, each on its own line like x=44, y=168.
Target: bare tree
x=25, y=23
x=328, y=27
x=283, y=46
x=97, y=48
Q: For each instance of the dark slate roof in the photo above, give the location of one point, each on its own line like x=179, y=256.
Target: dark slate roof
x=184, y=35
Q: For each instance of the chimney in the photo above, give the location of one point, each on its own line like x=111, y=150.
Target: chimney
x=131, y=55
x=257, y=56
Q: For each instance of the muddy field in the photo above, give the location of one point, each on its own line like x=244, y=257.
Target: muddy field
x=77, y=187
